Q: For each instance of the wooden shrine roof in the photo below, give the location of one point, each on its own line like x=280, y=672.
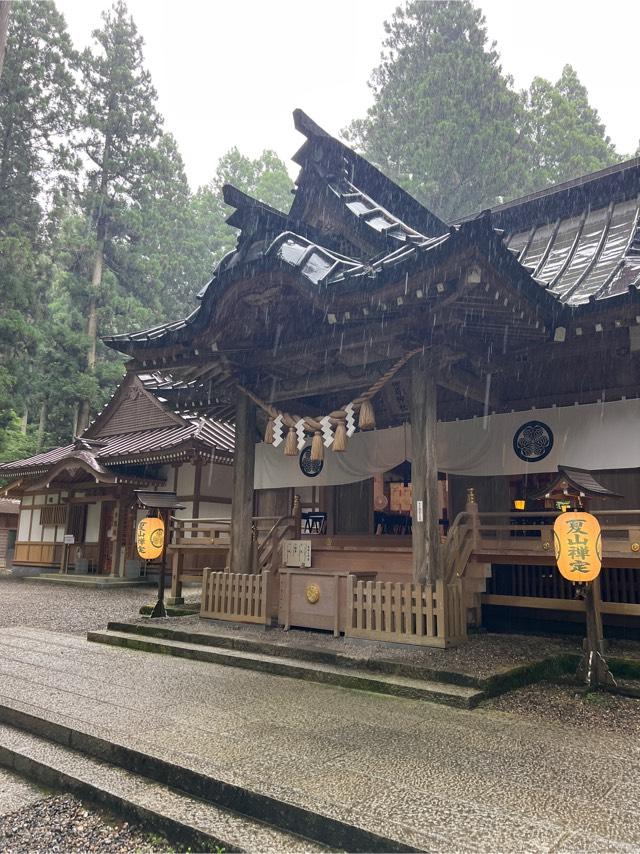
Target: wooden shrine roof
x=136, y=443
x=580, y=480
x=319, y=300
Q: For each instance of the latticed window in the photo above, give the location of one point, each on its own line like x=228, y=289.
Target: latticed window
x=54, y=514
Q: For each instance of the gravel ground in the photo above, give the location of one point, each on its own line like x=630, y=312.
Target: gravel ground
x=482, y=656
x=66, y=609
x=64, y=824
x=566, y=704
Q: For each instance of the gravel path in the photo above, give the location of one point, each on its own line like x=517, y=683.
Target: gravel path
x=482, y=656
x=67, y=609
x=565, y=704
x=64, y=824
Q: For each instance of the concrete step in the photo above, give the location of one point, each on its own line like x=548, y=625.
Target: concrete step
x=157, y=807
x=196, y=808
x=245, y=643
x=346, y=677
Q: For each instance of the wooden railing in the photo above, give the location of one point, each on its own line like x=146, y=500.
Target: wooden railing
x=404, y=612
x=240, y=597
x=519, y=549
x=201, y=532
x=194, y=544
x=269, y=532
x=527, y=538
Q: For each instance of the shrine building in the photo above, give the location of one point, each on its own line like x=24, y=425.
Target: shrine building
x=78, y=506
x=407, y=394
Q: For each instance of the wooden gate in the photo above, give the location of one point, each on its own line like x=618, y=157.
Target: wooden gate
x=404, y=612
x=239, y=597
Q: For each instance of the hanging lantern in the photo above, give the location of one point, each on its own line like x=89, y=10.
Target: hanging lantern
x=578, y=546
x=150, y=537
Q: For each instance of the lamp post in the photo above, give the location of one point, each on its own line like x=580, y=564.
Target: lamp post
x=147, y=547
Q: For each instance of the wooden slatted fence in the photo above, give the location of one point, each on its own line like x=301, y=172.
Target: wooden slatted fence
x=240, y=597
x=403, y=612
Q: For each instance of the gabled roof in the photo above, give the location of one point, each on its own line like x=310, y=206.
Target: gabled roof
x=102, y=446
x=580, y=481
x=567, y=246
x=345, y=171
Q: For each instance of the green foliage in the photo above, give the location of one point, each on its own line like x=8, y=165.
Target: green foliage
x=15, y=444
x=447, y=124
x=264, y=178
x=84, y=160
x=444, y=123
x=84, y=157
x=566, y=135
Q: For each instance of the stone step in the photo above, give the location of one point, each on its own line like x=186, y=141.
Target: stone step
x=89, y=582
x=189, y=806
x=346, y=677
x=245, y=643
x=157, y=807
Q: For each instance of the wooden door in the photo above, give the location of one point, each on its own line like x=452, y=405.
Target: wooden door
x=353, y=508
x=105, y=551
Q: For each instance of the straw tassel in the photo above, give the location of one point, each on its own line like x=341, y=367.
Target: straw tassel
x=291, y=443
x=317, y=448
x=366, y=417
x=268, y=433
x=340, y=438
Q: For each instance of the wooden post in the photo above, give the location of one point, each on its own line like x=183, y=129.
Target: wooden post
x=593, y=668
x=424, y=474
x=117, y=561
x=197, y=487
x=296, y=512
x=243, y=468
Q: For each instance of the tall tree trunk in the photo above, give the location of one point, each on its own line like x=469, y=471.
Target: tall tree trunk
x=42, y=423
x=92, y=321
x=4, y=28
x=96, y=283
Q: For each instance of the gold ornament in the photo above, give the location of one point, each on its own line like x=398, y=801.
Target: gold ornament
x=313, y=594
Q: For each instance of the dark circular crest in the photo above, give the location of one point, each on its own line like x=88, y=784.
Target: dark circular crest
x=309, y=467
x=533, y=441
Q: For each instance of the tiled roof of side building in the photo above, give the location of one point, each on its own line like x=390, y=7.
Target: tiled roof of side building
x=127, y=446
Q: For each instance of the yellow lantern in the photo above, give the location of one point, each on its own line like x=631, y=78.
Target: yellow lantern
x=150, y=537
x=578, y=545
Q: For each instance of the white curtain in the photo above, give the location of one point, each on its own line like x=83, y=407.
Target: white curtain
x=594, y=436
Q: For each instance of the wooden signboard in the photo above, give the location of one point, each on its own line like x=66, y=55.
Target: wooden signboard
x=296, y=553
x=578, y=546
x=401, y=498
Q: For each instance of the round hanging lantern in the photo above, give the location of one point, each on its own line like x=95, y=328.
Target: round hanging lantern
x=578, y=546
x=150, y=538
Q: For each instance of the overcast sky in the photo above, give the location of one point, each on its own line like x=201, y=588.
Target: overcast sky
x=230, y=72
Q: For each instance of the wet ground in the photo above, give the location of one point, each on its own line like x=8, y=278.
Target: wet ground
x=437, y=778
x=66, y=608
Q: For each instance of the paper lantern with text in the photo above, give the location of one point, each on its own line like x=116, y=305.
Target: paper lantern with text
x=578, y=546
x=150, y=537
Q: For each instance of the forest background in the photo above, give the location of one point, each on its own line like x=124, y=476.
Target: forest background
x=100, y=232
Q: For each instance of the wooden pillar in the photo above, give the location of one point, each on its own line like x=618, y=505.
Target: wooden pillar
x=242, y=501
x=197, y=486
x=424, y=474
x=117, y=555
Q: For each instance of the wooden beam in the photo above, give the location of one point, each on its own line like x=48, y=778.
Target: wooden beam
x=243, y=469
x=424, y=476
